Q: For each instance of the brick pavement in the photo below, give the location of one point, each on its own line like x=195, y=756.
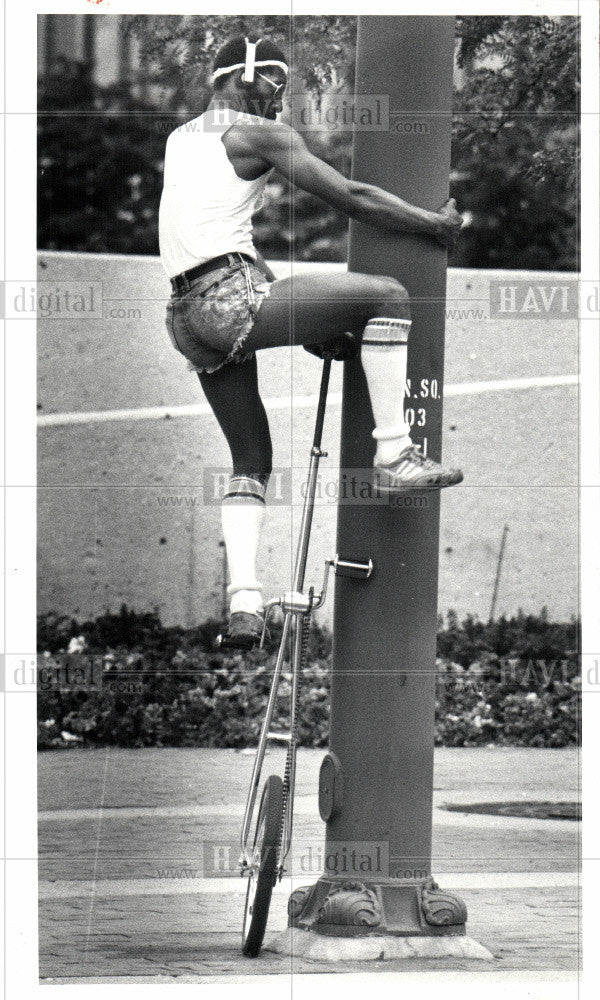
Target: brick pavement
x=133, y=925
x=190, y=934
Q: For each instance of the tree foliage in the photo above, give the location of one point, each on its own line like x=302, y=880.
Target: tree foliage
x=180, y=49
x=514, y=161
x=100, y=160
x=516, y=140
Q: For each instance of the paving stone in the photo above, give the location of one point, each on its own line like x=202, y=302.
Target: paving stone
x=195, y=937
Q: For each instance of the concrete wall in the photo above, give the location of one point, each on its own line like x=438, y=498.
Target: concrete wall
x=123, y=515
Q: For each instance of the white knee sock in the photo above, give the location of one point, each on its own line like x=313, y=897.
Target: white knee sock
x=384, y=356
x=242, y=517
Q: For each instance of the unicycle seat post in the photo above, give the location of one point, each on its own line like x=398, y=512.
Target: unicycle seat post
x=309, y=500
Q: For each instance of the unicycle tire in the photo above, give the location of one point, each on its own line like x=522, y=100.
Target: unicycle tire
x=263, y=873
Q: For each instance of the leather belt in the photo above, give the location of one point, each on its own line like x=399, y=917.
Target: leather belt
x=180, y=281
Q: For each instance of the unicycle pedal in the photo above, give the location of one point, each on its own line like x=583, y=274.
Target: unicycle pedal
x=226, y=641
x=243, y=632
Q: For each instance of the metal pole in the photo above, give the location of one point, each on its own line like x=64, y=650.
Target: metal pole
x=376, y=783
x=498, y=573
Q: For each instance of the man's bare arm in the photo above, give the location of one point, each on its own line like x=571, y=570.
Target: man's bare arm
x=283, y=148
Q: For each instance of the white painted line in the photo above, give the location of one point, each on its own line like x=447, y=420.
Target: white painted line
x=286, y=402
x=541, y=382
x=107, y=416
x=138, y=812
x=472, y=821
x=304, y=805
x=111, y=888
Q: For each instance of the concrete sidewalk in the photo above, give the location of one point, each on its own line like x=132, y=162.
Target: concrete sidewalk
x=126, y=893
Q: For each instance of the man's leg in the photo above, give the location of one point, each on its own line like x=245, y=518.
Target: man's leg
x=313, y=308
x=232, y=392
x=297, y=311
x=308, y=309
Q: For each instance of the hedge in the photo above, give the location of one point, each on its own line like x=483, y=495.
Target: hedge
x=514, y=682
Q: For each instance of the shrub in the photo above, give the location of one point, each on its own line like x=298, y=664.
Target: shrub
x=513, y=682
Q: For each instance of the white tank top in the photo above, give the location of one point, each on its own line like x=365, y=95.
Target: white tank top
x=205, y=208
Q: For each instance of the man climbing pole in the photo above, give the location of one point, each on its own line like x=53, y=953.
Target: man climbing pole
x=226, y=303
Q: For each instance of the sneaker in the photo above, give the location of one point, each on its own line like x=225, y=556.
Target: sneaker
x=244, y=631
x=411, y=470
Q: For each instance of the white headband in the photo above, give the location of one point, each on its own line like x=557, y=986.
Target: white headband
x=250, y=61
x=249, y=64
x=260, y=62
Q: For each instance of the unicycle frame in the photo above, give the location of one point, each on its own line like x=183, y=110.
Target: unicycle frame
x=295, y=605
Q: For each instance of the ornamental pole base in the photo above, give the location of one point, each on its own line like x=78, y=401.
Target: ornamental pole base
x=339, y=918
x=318, y=948
x=341, y=907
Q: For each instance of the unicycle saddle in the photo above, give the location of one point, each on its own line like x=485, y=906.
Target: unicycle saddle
x=339, y=348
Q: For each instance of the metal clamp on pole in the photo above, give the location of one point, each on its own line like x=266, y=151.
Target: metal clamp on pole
x=359, y=569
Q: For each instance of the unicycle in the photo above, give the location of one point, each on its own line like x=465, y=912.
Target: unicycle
x=263, y=863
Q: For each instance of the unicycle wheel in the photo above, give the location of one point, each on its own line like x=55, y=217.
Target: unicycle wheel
x=263, y=868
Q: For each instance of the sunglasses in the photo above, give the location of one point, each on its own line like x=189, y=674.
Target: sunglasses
x=278, y=88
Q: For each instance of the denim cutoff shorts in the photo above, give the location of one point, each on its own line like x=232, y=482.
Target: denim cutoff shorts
x=209, y=321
